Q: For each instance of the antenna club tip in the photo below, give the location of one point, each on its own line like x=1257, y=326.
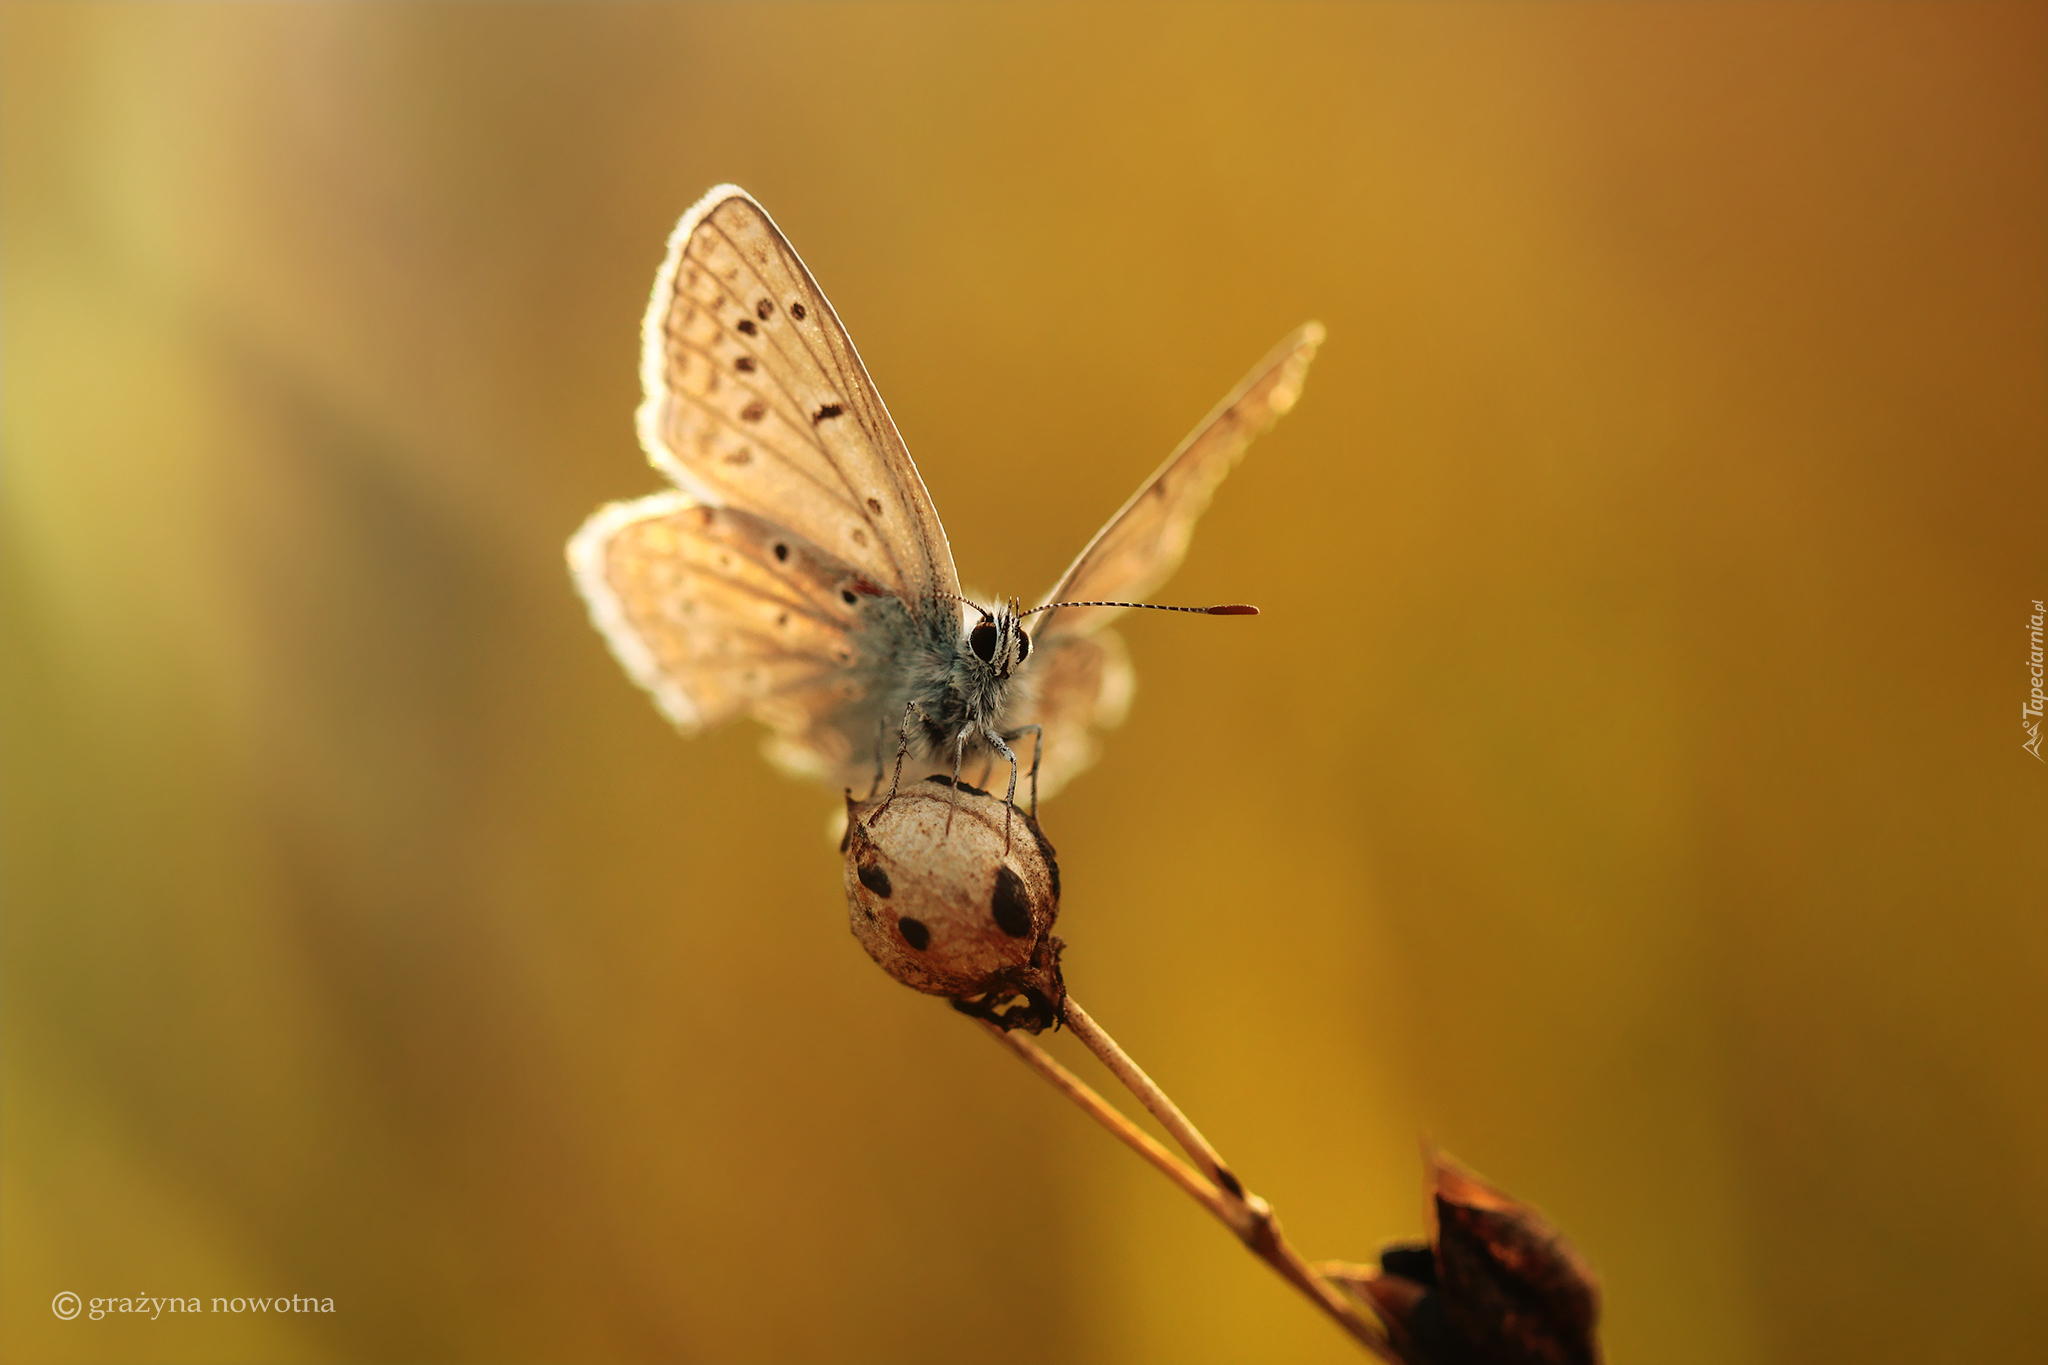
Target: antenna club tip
x=1235, y=609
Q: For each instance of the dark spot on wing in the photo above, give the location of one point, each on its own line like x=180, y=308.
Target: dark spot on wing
x=877, y=881
x=781, y=552
x=826, y=413
x=914, y=933
x=747, y=326
x=782, y=618
x=796, y=310
x=739, y=457
x=754, y=411
x=875, y=506
x=1012, y=905
x=745, y=364
x=860, y=537
x=763, y=309
x=847, y=594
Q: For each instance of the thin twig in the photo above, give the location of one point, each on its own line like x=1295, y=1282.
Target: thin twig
x=1151, y=1096
x=1244, y=1213
x=1200, y=1189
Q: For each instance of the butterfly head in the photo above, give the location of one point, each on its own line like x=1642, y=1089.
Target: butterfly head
x=999, y=640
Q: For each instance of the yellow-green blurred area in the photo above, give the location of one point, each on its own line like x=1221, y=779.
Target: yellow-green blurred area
x=1623, y=785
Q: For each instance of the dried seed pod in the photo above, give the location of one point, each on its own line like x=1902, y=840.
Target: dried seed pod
x=954, y=913
x=1497, y=1285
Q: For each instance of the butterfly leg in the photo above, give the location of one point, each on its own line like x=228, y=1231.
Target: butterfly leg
x=902, y=750
x=1037, y=734
x=953, y=795
x=1010, y=799
x=881, y=729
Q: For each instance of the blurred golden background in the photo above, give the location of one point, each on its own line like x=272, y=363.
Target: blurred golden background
x=1623, y=786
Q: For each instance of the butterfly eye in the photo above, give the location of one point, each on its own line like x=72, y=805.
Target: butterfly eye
x=982, y=639
x=1023, y=645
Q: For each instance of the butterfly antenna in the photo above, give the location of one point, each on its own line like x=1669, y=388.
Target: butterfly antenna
x=965, y=601
x=1231, y=609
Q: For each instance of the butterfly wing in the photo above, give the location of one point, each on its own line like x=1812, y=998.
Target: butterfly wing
x=756, y=399
x=1144, y=542
x=1078, y=684
x=718, y=612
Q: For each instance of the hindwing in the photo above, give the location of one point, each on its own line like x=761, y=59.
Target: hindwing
x=718, y=613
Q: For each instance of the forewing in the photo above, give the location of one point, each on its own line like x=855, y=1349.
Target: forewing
x=756, y=399
x=1144, y=542
x=717, y=612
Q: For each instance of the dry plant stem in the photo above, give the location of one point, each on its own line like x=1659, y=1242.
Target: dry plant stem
x=1137, y=1139
x=1151, y=1096
x=1250, y=1217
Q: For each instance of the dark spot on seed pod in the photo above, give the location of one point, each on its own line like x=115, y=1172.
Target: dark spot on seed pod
x=745, y=364
x=847, y=594
x=754, y=411
x=1011, y=903
x=781, y=553
x=945, y=781
x=826, y=413
x=796, y=310
x=875, y=506
x=763, y=309
x=914, y=933
x=747, y=326
x=877, y=881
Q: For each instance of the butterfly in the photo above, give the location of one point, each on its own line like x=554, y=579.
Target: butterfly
x=797, y=571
